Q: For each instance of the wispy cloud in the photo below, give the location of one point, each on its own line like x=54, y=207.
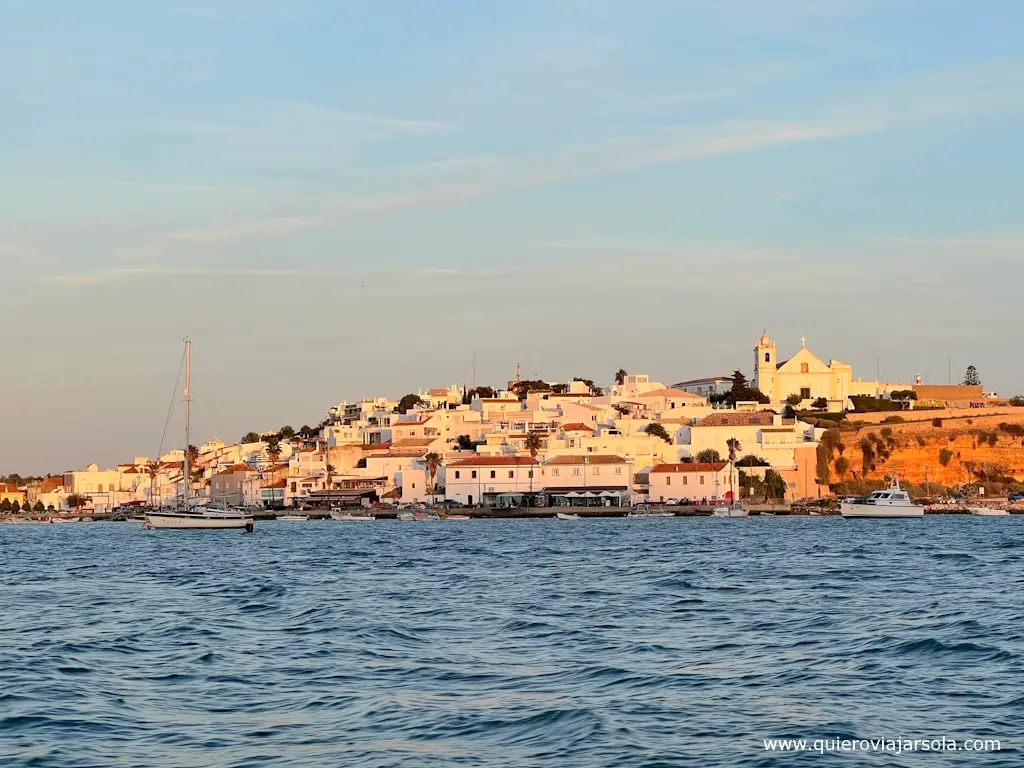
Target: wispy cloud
x=126, y=273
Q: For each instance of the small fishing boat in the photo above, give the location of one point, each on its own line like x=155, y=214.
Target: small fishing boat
x=650, y=513
x=64, y=519
x=989, y=512
x=449, y=516
x=728, y=512
x=566, y=516
x=767, y=514
x=406, y=517
x=351, y=517
x=892, y=503
x=293, y=518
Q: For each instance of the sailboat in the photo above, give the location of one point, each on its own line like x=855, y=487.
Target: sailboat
x=204, y=518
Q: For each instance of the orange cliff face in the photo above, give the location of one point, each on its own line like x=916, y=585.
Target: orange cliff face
x=947, y=454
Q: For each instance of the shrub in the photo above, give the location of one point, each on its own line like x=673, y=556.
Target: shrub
x=893, y=420
x=952, y=437
x=993, y=438
x=944, y=456
x=867, y=404
x=1017, y=401
x=886, y=432
x=921, y=441
x=1016, y=430
x=842, y=466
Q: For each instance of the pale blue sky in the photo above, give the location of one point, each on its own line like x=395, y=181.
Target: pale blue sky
x=336, y=200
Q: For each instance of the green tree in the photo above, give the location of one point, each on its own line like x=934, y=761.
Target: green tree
x=794, y=400
x=307, y=432
x=433, y=463
x=734, y=450
x=5, y=505
x=76, y=501
x=273, y=449
x=751, y=460
x=526, y=386
x=16, y=506
x=823, y=471
x=708, y=456
x=1017, y=401
x=38, y=507
x=287, y=432
x=654, y=429
x=936, y=423
x=971, y=377
x=945, y=455
x=250, y=437
x=465, y=442
x=820, y=404
x=533, y=445
x=842, y=466
x=595, y=390
x=620, y=376
x=408, y=402
x=774, y=484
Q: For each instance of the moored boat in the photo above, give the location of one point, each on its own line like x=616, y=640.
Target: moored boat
x=200, y=518
x=989, y=512
x=650, y=513
x=891, y=503
x=351, y=517
x=449, y=516
x=567, y=516
x=728, y=512
x=293, y=518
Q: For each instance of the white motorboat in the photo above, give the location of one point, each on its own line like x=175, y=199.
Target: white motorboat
x=293, y=518
x=989, y=512
x=891, y=503
x=351, y=517
x=566, y=516
x=450, y=516
x=64, y=519
x=200, y=518
x=728, y=512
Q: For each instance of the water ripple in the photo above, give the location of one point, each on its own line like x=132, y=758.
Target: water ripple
x=507, y=643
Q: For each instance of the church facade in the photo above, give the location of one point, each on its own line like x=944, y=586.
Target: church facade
x=806, y=375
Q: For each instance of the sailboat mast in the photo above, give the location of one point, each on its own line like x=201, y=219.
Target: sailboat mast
x=188, y=402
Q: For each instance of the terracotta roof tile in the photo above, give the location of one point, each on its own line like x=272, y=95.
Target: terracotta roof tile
x=495, y=461
x=577, y=427
x=734, y=419
x=673, y=468
x=585, y=459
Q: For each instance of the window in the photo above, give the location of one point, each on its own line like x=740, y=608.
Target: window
x=576, y=470
x=596, y=471
x=473, y=477
x=554, y=472
x=618, y=470
x=530, y=474
x=456, y=474
x=511, y=474
x=702, y=479
x=493, y=473
x=414, y=485
x=685, y=479
x=805, y=392
x=668, y=480
x=767, y=357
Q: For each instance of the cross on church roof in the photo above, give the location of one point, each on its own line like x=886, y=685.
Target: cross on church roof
x=803, y=341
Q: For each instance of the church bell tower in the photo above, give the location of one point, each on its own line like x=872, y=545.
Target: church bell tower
x=765, y=366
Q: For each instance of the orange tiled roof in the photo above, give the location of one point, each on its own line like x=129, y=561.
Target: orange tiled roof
x=734, y=419
x=669, y=468
x=667, y=392
x=576, y=428
x=494, y=461
x=585, y=459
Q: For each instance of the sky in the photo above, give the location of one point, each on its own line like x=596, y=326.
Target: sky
x=341, y=198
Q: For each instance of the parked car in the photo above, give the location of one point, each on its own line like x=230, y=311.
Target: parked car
x=449, y=504
x=1016, y=497
x=672, y=502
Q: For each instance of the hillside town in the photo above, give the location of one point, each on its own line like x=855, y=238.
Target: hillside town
x=528, y=443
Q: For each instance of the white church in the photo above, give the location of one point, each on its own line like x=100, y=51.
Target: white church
x=806, y=375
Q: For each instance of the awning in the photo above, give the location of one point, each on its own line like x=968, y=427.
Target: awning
x=589, y=495
x=608, y=494
x=571, y=495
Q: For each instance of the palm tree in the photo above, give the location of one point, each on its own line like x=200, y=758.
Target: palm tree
x=620, y=376
x=433, y=462
x=274, y=451
x=533, y=445
x=734, y=450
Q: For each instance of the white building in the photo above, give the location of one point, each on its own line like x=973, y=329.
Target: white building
x=696, y=482
x=492, y=480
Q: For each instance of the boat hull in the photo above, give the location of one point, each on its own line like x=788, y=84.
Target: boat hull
x=192, y=522
x=346, y=518
x=728, y=512
x=985, y=512
x=566, y=516
x=873, y=512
